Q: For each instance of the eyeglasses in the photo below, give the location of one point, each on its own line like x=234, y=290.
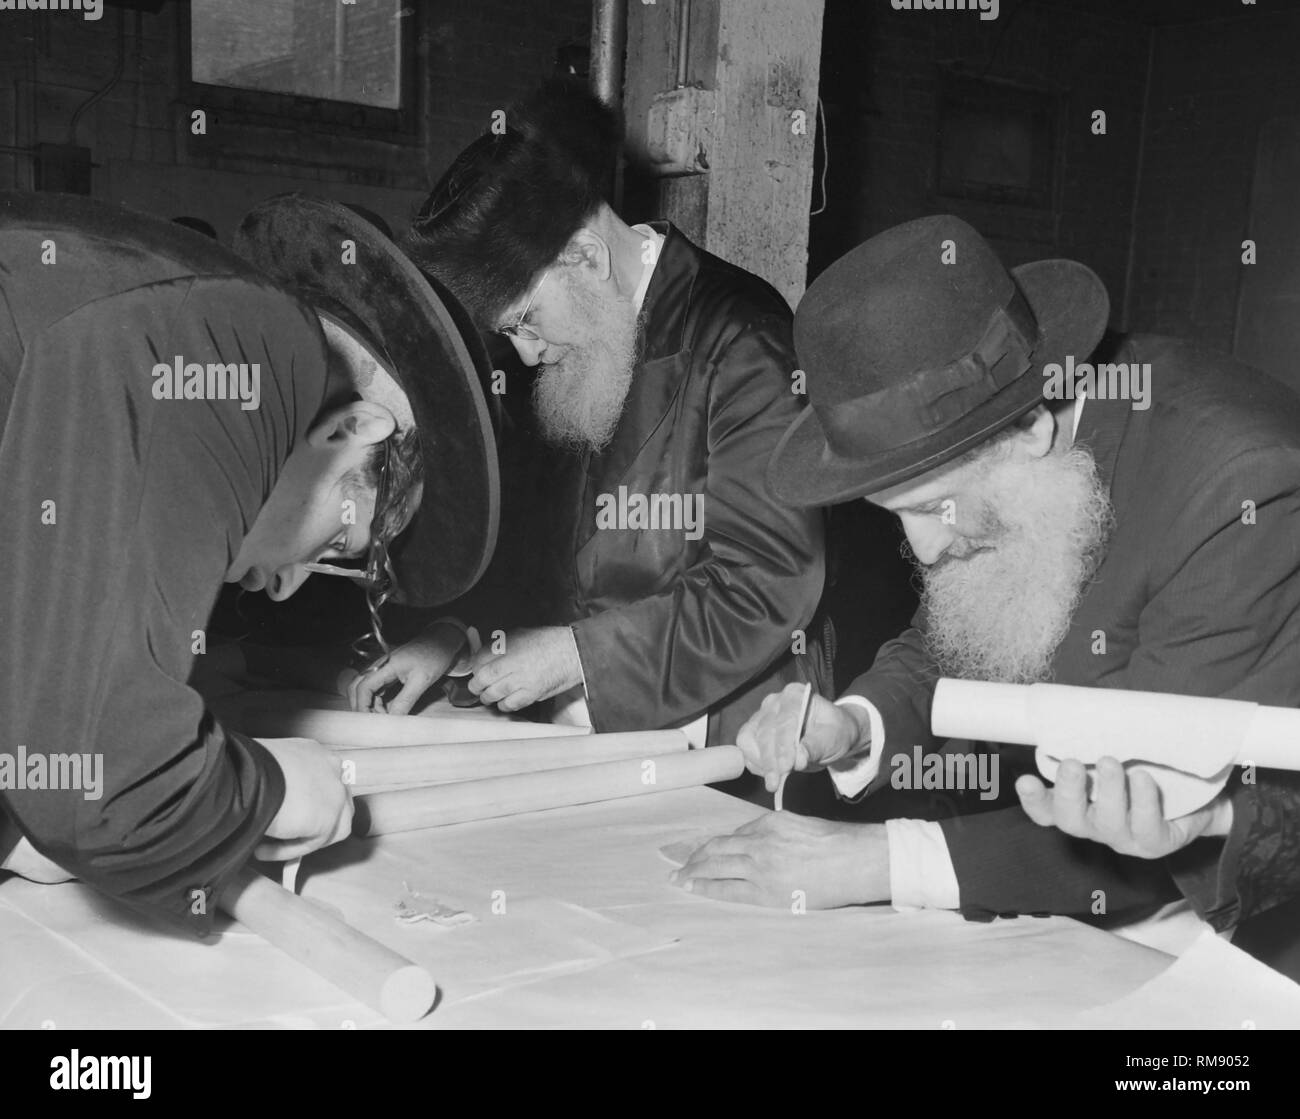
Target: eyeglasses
x=517, y=329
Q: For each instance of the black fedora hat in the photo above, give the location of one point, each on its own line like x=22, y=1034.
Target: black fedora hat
x=917, y=346
x=381, y=298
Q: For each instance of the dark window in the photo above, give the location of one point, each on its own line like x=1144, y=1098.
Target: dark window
x=331, y=51
x=319, y=66
x=997, y=142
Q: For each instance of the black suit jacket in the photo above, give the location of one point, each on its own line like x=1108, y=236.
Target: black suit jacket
x=1198, y=594
x=669, y=627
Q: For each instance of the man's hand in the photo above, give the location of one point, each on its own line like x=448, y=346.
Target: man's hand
x=1126, y=814
x=317, y=807
x=768, y=739
x=782, y=858
x=417, y=665
x=537, y=664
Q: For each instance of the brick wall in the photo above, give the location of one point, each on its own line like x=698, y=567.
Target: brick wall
x=1213, y=85
x=881, y=82
x=484, y=55
x=475, y=56
x=1159, y=206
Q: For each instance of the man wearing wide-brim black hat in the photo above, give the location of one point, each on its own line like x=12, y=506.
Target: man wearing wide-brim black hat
x=174, y=418
x=1137, y=533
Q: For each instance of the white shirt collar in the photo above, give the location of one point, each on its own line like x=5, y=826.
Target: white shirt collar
x=1079, y=398
x=653, y=242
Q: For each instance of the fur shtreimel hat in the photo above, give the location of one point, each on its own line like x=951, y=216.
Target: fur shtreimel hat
x=511, y=201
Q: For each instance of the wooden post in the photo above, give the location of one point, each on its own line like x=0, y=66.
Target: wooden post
x=744, y=125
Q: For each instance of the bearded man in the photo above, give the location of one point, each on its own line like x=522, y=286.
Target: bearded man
x=668, y=377
x=1144, y=541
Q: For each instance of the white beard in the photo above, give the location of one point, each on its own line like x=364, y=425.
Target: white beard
x=579, y=400
x=1000, y=612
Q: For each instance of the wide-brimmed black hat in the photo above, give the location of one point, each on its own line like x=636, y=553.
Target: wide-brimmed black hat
x=436, y=359
x=918, y=345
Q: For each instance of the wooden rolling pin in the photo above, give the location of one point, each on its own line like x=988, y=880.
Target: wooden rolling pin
x=352, y=961
x=467, y=761
x=359, y=730
x=434, y=805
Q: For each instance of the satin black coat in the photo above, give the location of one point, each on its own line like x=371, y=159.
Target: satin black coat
x=669, y=627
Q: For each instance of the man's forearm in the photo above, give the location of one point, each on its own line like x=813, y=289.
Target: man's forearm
x=450, y=638
x=862, y=740
x=870, y=864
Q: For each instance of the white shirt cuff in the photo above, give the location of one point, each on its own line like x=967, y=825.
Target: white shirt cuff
x=854, y=774
x=921, y=874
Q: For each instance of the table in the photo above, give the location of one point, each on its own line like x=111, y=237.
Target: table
x=576, y=924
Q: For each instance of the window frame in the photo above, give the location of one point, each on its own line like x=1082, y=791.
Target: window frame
x=1040, y=198
x=264, y=109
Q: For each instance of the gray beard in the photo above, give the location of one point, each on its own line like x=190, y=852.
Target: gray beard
x=579, y=400
x=1000, y=613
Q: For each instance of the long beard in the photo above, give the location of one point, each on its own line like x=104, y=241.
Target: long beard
x=1000, y=613
x=579, y=400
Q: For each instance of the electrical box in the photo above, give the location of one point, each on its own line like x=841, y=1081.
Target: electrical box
x=679, y=131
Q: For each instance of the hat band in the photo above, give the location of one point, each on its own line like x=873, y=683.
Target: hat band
x=932, y=399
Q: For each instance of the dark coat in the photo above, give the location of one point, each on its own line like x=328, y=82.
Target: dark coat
x=668, y=627
x=1194, y=598
x=149, y=500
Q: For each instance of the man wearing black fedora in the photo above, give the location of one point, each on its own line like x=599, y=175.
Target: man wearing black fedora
x=175, y=417
x=1139, y=541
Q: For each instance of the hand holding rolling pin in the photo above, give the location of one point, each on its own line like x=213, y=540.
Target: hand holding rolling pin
x=317, y=806
x=772, y=747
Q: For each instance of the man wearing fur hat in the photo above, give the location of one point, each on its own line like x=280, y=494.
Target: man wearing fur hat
x=1144, y=541
x=667, y=374
x=172, y=417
